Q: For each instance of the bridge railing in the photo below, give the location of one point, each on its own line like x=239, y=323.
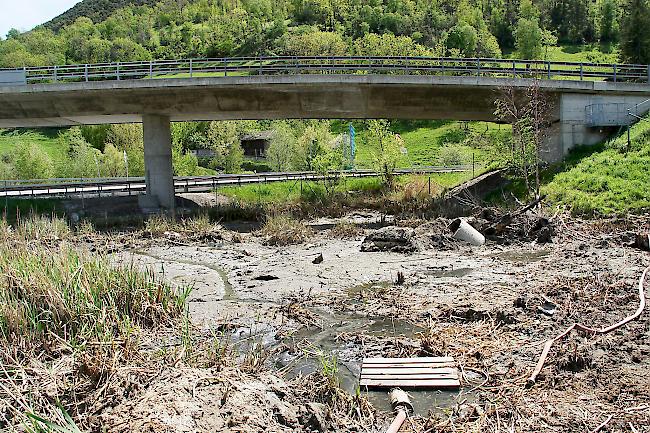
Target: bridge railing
x=251, y=66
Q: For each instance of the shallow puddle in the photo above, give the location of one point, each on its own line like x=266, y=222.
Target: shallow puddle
x=522, y=256
x=322, y=345
x=449, y=272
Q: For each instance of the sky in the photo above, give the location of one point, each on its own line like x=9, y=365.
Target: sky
x=26, y=14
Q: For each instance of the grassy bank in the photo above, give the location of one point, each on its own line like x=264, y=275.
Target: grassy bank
x=63, y=307
x=608, y=179
x=424, y=141
x=293, y=192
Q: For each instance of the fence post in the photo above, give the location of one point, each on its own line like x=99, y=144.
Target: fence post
x=649, y=74
x=549, y=69
x=581, y=71
x=473, y=166
x=151, y=69
x=614, y=72
x=117, y=69
x=86, y=72
x=478, y=73
x=225, y=67
x=191, y=68
x=514, y=69
x=55, y=74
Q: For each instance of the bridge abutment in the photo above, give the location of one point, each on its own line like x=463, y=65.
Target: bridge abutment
x=587, y=119
x=159, y=173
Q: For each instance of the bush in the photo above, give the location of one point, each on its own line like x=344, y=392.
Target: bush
x=450, y=155
x=32, y=162
x=281, y=230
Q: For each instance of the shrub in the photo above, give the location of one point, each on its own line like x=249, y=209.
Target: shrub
x=32, y=162
x=281, y=230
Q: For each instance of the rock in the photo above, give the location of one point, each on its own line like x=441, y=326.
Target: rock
x=266, y=278
x=393, y=239
x=545, y=235
x=315, y=417
x=642, y=241
x=318, y=260
x=547, y=308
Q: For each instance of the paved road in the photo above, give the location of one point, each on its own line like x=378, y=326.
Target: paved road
x=135, y=186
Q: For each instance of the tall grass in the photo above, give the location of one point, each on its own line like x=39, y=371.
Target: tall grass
x=55, y=290
x=613, y=180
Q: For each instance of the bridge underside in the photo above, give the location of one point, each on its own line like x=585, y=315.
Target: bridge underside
x=157, y=102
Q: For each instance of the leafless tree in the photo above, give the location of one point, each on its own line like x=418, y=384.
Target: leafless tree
x=527, y=110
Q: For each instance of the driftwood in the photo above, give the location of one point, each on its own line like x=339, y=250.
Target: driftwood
x=507, y=219
x=591, y=331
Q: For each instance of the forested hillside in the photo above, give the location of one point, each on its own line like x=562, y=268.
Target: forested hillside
x=214, y=28
x=96, y=10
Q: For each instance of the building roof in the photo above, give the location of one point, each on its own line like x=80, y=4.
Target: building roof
x=260, y=135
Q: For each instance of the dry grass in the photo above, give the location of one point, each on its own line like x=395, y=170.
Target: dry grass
x=68, y=320
x=196, y=228
x=346, y=230
x=281, y=230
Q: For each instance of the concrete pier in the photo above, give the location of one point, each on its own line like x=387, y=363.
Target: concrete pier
x=159, y=174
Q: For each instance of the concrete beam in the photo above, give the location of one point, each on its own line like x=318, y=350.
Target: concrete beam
x=276, y=97
x=159, y=173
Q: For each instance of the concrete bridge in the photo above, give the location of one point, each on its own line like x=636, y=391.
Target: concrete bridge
x=587, y=100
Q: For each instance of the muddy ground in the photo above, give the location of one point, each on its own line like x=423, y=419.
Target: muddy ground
x=296, y=318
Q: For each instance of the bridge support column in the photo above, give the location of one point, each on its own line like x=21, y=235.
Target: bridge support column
x=159, y=174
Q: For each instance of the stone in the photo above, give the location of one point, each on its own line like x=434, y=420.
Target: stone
x=390, y=239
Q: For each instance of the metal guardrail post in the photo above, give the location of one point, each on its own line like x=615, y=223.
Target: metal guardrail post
x=151, y=69
x=648, y=74
x=191, y=69
x=225, y=67
x=478, y=70
x=118, y=71
x=514, y=69
x=55, y=74
x=86, y=72
x=581, y=71
x=549, y=69
x=614, y=72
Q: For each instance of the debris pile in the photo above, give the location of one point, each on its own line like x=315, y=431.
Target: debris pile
x=392, y=239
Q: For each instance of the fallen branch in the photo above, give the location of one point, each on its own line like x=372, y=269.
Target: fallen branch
x=591, y=331
x=603, y=424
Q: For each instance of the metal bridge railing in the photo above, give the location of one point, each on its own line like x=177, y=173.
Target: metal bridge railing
x=251, y=66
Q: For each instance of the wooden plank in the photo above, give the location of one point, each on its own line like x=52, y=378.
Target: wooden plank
x=429, y=383
x=414, y=365
x=407, y=371
x=407, y=378
x=408, y=360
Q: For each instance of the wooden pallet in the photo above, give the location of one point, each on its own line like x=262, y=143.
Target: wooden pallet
x=409, y=373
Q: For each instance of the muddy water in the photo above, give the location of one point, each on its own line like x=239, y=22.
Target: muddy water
x=522, y=256
x=323, y=345
x=306, y=350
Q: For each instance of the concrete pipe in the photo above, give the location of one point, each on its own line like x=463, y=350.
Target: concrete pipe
x=463, y=231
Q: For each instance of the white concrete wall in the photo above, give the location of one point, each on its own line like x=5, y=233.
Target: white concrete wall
x=159, y=173
x=573, y=129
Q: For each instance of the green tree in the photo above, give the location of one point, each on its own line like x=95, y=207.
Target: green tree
x=608, y=21
x=386, y=149
x=283, y=148
x=82, y=160
x=315, y=43
x=635, y=38
x=464, y=38
x=31, y=162
x=528, y=39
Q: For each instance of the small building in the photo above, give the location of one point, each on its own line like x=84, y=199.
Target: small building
x=256, y=144
x=203, y=153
